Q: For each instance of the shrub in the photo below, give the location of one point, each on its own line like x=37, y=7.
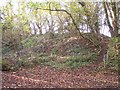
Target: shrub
x=113, y=52
x=8, y=64
x=29, y=42
x=51, y=35
x=11, y=39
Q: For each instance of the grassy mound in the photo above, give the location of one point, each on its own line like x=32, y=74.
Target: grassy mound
x=68, y=52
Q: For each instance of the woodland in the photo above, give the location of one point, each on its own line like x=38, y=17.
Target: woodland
x=59, y=44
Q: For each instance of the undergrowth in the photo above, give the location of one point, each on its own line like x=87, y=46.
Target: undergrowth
x=112, y=58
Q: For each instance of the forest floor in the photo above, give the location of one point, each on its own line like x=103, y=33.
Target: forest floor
x=45, y=76
x=48, y=77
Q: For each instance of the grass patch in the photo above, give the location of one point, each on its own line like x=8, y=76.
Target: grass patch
x=72, y=62
x=77, y=61
x=42, y=58
x=79, y=50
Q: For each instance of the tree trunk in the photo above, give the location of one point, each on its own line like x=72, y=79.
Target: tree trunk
x=119, y=18
x=114, y=22
x=108, y=21
x=114, y=27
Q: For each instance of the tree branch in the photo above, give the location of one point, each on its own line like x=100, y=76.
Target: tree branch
x=82, y=3
x=73, y=23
